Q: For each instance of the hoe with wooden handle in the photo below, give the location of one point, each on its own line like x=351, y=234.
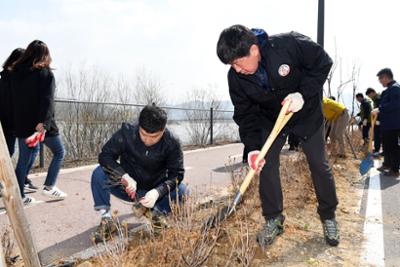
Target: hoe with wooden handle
x=226, y=211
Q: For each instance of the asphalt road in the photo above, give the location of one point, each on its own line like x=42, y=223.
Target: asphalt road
x=63, y=228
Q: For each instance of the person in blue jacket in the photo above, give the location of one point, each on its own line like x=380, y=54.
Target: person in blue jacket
x=389, y=114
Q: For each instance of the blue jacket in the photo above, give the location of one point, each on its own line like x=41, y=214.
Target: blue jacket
x=389, y=108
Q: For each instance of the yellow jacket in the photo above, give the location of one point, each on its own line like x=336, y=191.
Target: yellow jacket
x=332, y=109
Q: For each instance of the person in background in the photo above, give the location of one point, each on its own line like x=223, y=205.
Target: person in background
x=365, y=116
x=389, y=114
x=376, y=99
x=6, y=106
x=337, y=118
x=33, y=87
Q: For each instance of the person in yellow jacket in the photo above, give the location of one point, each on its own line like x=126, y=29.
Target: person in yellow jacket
x=337, y=118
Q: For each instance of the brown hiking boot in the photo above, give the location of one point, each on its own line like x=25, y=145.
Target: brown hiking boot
x=105, y=230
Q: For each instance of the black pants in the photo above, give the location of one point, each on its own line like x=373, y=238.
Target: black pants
x=377, y=138
x=324, y=184
x=391, y=149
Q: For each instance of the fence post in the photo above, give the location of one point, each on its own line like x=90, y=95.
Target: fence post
x=41, y=155
x=211, y=126
x=15, y=211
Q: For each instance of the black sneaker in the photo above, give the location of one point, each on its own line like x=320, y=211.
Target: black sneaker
x=29, y=187
x=271, y=229
x=331, y=232
x=105, y=230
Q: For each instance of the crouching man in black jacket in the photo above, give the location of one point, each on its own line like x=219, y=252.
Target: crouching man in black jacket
x=141, y=164
x=265, y=72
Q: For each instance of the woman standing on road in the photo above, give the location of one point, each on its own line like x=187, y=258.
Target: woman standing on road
x=33, y=87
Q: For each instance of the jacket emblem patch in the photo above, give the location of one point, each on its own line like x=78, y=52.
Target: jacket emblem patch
x=284, y=70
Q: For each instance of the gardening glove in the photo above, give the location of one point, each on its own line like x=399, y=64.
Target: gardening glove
x=296, y=101
x=377, y=123
x=130, y=185
x=149, y=200
x=35, y=138
x=251, y=160
x=365, y=122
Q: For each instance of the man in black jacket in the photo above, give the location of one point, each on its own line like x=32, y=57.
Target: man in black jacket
x=265, y=72
x=140, y=164
x=365, y=116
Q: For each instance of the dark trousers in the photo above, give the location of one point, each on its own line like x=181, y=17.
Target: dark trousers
x=270, y=183
x=377, y=138
x=391, y=149
x=293, y=141
x=10, y=140
x=365, y=132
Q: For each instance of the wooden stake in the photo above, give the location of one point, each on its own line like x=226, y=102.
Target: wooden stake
x=14, y=207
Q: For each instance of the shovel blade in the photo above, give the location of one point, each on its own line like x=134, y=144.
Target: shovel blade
x=366, y=164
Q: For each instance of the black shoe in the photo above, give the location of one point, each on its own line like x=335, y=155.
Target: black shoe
x=391, y=173
x=271, y=229
x=331, y=232
x=383, y=168
x=105, y=230
x=29, y=187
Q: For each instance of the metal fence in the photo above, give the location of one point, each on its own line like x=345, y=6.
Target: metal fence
x=85, y=126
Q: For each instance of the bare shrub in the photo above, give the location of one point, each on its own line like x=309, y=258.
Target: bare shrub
x=148, y=89
x=199, y=102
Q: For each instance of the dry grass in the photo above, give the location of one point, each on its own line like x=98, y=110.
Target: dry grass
x=233, y=242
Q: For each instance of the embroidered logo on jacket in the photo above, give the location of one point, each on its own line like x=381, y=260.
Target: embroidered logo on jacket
x=284, y=70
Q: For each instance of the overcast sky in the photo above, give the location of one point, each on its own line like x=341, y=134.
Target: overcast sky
x=176, y=39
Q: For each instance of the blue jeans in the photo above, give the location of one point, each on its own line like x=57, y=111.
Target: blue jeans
x=10, y=140
x=25, y=161
x=57, y=148
x=27, y=158
x=101, y=193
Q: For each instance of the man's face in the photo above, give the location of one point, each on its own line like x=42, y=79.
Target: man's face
x=384, y=80
x=249, y=64
x=371, y=95
x=359, y=99
x=150, y=139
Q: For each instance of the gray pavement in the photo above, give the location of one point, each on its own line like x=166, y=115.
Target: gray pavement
x=390, y=193
x=62, y=228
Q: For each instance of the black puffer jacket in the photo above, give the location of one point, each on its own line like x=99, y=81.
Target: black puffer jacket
x=33, y=100
x=159, y=166
x=6, y=116
x=294, y=63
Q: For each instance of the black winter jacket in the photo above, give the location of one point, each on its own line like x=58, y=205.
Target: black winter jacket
x=159, y=166
x=256, y=108
x=6, y=116
x=33, y=101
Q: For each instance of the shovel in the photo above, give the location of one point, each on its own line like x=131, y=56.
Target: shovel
x=368, y=162
x=226, y=211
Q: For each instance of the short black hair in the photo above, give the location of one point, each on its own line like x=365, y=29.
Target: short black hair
x=235, y=42
x=386, y=71
x=370, y=90
x=359, y=95
x=152, y=119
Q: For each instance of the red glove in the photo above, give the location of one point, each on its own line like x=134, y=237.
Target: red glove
x=251, y=159
x=35, y=138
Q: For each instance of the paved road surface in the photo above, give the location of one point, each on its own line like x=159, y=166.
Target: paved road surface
x=63, y=228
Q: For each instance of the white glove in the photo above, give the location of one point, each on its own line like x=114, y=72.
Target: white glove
x=377, y=123
x=130, y=185
x=296, y=101
x=149, y=200
x=365, y=122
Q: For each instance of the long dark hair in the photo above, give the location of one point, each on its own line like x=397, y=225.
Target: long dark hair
x=36, y=56
x=15, y=55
